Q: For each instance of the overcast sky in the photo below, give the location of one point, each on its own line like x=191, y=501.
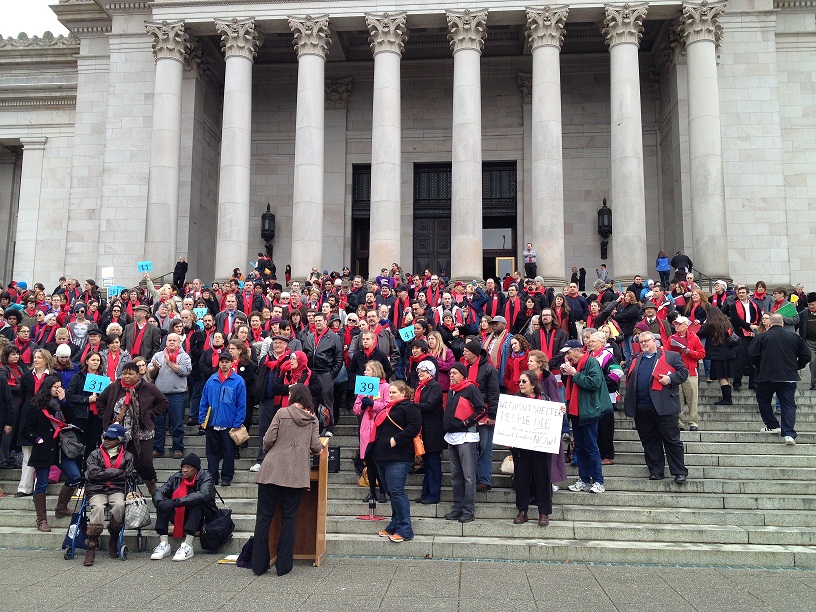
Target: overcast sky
x=30, y=16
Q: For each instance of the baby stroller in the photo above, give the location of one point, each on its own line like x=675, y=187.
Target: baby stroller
x=76, y=535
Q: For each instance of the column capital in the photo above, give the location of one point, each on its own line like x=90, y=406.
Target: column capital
x=467, y=29
x=525, y=83
x=337, y=93
x=312, y=35
x=623, y=23
x=33, y=142
x=239, y=38
x=388, y=32
x=545, y=27
x=700, y=21
x=170, y=40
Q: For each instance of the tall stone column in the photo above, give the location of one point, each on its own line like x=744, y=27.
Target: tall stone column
x=701, y=33
x=466, y=33
x=27, y=249
x=170, y=49
x=240, y=42
x=623, y=29
x=388, y=36
x=312, y=40
x=545, y=32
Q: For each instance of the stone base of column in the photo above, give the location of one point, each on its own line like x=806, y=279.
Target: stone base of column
x=556, y=282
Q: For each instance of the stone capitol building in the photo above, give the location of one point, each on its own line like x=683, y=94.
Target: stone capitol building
x=441, y=136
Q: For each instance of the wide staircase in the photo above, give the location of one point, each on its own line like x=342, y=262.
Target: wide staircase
x=750, y=500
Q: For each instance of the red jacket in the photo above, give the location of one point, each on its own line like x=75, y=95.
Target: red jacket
x=695, y=347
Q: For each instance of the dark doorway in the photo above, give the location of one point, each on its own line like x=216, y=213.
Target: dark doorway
x=432, y=221
x=360, y=218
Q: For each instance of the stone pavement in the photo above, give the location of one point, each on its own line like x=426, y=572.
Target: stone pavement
x=43, y=580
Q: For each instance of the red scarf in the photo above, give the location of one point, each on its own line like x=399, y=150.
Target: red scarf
x=228, y=325
x=573, y=389
x=180, y=493
x=418, y=391
x=41, y=339
x=58, y=425
x=138, y=335
x=257, y=334
x=88, y=349
x=546, y=345
x=473, y=372
x=492, y=306
x=117, y=462
x=38, y=380
x=216, y=355
x=223, y=378
x=128, y=390
x=777, y=305
x=511, y=310
x=14, y=370
x=171, y=357
x=207, y=335
x=113, y=365
x=25, y=351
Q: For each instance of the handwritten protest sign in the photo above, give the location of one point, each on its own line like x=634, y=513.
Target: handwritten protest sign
x=533, y=424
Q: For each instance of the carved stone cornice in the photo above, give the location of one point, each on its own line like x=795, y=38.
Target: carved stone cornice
x=388, y=33
x=525, y=83
x=337, y=93
x=170, y=40
x=545, y=27
x=467, y=29
x=623, y=24
x=239, y=38
x=700, y=21
x=312, y=35
x=47, y=41
x=672, y=48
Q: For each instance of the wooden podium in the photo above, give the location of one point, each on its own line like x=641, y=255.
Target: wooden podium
x=310, y=529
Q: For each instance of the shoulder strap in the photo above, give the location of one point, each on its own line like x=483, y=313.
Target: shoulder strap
x=393, y=421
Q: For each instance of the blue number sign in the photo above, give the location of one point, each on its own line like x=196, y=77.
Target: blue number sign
x=144, y=266
x=407, y=333
x=367, y=385
x=95, y=383
x=200, y=312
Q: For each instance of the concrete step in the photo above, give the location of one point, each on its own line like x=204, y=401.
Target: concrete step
x=585, y=551
x=583, y=530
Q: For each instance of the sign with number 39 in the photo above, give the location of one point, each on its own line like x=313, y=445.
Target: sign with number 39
x=367, y=385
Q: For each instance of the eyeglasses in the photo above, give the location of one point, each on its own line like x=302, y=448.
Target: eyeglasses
x=523, y=382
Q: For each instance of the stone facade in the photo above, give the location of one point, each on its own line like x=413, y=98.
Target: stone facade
x=82, y=140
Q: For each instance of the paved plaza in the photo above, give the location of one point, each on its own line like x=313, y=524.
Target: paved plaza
x=43, y=580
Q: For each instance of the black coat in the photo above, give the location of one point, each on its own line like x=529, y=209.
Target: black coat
x=403, y=426
x=203, y=492
x=778, y=354
x=35, y=425
x=7, y=405
x=359, y=360
x=430, y=405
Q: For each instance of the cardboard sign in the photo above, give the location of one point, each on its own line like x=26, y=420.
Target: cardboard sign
x=115, y=290
x=533, y=424
x=367, y=385
x=95, y=383
x=200, y=312
x=107, y=281
x=144, y=266
x=407, y=333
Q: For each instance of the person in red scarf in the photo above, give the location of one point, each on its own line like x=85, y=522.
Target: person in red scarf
x=428, y=398
x=11, y=374
x=561, y=313
x=108, y=469
x=31, y=383
x=780, y=296
x=41, y=424
x=513, y=305
x=82, y=407
x=24, y=344
x=517, y=362
x=48, y=331
x=141, y=338
x=270, y=388
x=184, y=500
x=367, y=349
x=419, y=353
x=587, y=401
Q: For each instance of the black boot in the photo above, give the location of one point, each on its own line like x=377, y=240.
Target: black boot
x=726, y=396
x=114, y=529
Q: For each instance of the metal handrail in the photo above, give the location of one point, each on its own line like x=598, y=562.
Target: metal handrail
x=702, y=276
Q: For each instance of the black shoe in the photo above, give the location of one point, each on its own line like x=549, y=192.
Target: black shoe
x=381, y=498
x=429, y=502
x=192, y=422
x=656, y=476
x=694, y=428
x=369, y=497
x=453, y=516
x=226, y=483
x=813, y=387
x=736, y=386
x=680, y=479
x=466, y=518
x=682, y=428
x=419, y=500
x=201, y=432
x=21, y=494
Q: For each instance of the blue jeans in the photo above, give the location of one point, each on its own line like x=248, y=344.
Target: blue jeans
x=393, y=475
x=484, y=465
x=175, y=411
x=706, y=362
x=68, y=466
x=586, y=447
x=432, y=482
x=627, y=349
x=785, y=393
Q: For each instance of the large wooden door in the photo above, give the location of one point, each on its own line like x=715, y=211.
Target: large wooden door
x=432, y=245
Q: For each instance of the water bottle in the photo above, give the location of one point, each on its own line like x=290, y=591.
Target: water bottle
x=72, y=531
x=372, y=508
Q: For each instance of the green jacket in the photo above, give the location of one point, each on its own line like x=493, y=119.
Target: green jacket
x=593, y=396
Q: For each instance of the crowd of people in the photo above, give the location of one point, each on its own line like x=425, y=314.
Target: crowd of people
x=211, y=355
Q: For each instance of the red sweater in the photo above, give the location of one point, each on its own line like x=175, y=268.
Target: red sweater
x=695, y=347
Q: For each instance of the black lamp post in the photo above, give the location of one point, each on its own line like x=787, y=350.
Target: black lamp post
x=604, y=227
x=268, y=229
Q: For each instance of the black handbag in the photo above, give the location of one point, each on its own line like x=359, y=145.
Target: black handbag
x=218, y=529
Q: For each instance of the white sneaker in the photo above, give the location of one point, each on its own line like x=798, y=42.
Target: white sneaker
x=184, y=552
x=771, y=430
x=327, y=434
x=790, y=440
x=255, y=468
x=597, y=487
x=579, y=485
x=161, y=551
x=555, y=488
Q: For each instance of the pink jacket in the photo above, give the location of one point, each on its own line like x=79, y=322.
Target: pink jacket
x=444, y=363
x=367, y=423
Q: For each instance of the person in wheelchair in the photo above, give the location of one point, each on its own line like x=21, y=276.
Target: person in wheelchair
x=108, y=469
x=186, y=500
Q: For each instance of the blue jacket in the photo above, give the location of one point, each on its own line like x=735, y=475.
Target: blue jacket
x=227, y=399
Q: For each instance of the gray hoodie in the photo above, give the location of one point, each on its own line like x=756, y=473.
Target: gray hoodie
x=166, y=379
